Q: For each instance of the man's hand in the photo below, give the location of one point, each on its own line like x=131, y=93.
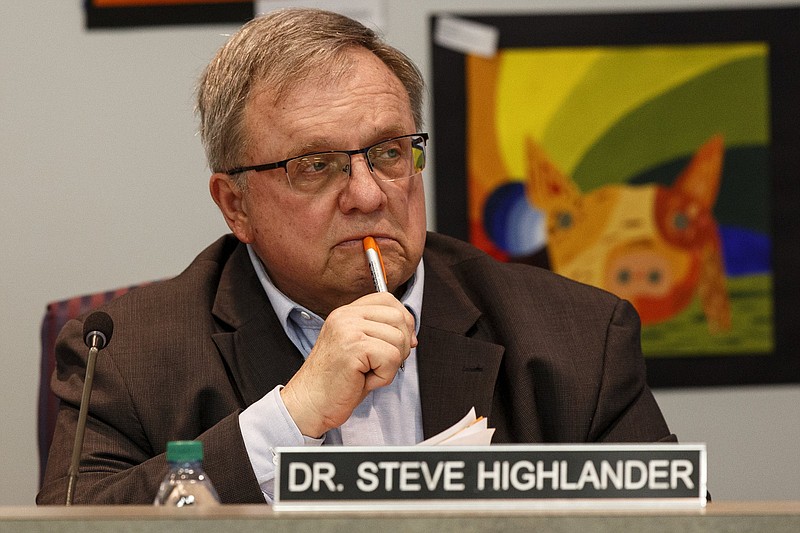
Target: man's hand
x=359, y=349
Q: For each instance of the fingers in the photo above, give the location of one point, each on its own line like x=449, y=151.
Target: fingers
x=385, y=309
x=360, y=348
x=394, y=335
x=381, y=335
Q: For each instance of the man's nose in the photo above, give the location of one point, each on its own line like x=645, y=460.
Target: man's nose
x=354, y=162
x=362, y=190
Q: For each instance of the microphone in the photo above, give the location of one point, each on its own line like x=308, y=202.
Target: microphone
x=97, y=330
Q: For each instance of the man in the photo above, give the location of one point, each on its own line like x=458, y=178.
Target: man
x=276, y=337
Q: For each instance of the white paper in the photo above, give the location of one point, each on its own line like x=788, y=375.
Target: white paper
x=468, y=431
x=466, y=36
x=477, y=434
x=452, y=430
x=470, y=438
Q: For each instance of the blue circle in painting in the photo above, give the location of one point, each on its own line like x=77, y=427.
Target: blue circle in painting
x=512, y=223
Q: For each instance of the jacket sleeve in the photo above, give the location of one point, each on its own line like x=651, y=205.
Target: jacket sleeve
x=626, y=410
x=121, y=461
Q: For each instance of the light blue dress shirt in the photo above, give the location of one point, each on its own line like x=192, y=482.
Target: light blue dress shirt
x=390, y=415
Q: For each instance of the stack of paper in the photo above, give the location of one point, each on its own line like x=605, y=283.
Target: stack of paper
x=469, y=431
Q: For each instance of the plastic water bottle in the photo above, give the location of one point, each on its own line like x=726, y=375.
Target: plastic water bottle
x=186, y=484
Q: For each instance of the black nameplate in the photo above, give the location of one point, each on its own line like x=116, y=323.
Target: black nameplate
x=507, y=476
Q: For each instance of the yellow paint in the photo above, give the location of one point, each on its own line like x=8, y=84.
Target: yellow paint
x=601, y=84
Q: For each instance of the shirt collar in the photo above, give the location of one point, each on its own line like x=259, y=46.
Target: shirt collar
x=283, y=305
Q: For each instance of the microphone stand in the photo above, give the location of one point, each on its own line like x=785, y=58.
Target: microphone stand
x=81, y=428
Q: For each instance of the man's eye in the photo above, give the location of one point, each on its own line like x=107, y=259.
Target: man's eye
x=312, y=165
x=387, y=152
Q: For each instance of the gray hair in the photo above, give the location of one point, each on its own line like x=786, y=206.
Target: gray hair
x=278, y=51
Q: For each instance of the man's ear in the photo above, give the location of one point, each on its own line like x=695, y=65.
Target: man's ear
x=232, y=201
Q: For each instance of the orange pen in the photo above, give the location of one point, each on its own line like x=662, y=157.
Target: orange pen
x=375, y=262
x=376, y=266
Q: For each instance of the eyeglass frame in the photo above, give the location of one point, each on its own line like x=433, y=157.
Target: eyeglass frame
x=350, y=154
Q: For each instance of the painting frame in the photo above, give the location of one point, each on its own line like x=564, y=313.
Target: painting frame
x=776, y=26
x=123, y=14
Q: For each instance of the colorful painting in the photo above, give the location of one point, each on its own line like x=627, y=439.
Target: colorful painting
x=654, y=155
x=624, y=164
x=132, y=13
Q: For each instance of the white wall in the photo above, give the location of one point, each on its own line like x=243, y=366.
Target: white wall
x=104, y=185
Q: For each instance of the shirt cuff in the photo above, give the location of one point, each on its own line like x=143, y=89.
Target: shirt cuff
x=266, y=425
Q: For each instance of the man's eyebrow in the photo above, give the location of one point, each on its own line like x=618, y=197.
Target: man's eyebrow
x=390, y=132
x=309, y=147
x=324, y=144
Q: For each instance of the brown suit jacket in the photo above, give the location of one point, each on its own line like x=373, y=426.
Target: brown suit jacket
x=545, y=358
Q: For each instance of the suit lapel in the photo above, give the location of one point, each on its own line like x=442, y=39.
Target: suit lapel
x=456, y=372
x=254, y=345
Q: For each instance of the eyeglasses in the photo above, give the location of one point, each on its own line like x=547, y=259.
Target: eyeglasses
x=390, y=160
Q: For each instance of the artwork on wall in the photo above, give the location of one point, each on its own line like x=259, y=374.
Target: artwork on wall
x=130, y=13
x=652, y=154
x=104, y=14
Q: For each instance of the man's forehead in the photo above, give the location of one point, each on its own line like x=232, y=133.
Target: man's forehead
x=321, y=118
x=285, y=80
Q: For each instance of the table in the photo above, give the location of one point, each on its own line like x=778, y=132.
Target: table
x=772, y=517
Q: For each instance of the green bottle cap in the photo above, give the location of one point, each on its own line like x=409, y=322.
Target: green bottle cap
x=184, y=451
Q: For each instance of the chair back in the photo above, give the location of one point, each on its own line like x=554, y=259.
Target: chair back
x=57, y=314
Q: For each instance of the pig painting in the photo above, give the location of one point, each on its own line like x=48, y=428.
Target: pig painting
x=646, y=171
x=656, y=246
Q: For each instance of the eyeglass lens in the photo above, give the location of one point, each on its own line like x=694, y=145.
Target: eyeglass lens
x=390, y=160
